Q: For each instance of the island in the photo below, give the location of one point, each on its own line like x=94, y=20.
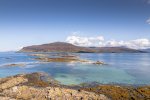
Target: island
x=67, y=47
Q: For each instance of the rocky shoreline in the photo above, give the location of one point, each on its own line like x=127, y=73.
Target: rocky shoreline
x=40, y=86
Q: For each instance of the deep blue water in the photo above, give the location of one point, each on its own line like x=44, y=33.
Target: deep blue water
x=122, y=68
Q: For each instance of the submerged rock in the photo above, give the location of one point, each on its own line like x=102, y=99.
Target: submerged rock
x=99, y=63
x=57, y=59
x=14, y=65
x=39, y=55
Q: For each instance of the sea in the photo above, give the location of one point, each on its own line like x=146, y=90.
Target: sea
x=120, y=68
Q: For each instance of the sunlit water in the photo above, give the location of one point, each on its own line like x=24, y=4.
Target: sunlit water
x=122, y=68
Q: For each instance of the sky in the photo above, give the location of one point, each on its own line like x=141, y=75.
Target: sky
x=80, y=22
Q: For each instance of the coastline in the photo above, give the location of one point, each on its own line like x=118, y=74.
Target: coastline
x=41, y=86
x=29, y=85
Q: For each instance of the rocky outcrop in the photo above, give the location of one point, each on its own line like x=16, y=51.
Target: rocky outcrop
x=10, y=82
x=51, y=93
x=34, y=87
x=67, y=58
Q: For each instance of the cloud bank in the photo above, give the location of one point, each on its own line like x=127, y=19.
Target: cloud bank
x=85, y=41
x=148, y=21
x=148, y=1
x=99, y=41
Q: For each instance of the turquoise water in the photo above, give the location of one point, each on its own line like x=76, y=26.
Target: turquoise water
x=122, y=68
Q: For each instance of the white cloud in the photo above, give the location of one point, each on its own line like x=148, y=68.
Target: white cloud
x=148, y=1
x=85, y=41
x=114, y=43
x=100, y=42
x=148, y=21
x=140, y=43
x=135, y=44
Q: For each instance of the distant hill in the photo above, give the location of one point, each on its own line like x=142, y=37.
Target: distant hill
x=146, y=50
x=67, y=47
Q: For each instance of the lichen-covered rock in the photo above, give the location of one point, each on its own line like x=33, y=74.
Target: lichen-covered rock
x=40, y=80
x=37, y=86
x=116, y=92
x=25, y=93
x=70, y=94
x=24, y=87
x=6, y=98
x=51, y=93
x=10, y=82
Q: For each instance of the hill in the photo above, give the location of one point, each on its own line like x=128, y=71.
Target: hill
x=146, y=50
x=67, y=47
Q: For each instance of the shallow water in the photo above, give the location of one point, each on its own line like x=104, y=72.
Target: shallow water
x=122, y=68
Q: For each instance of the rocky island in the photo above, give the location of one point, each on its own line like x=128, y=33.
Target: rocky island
x=63, y=57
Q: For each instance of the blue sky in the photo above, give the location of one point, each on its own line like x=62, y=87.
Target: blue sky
x=27, y=22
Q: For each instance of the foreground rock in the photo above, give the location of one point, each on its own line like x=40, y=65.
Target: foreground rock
x=39, y=86
x=115, y=92
x=51, y=93
x=35, y=87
